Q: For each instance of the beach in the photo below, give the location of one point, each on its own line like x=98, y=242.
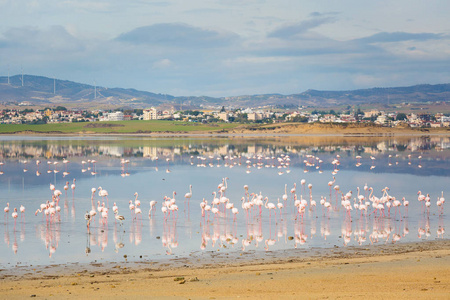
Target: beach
x=401, y=271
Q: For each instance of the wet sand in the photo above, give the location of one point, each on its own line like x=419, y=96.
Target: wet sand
x=401, y=271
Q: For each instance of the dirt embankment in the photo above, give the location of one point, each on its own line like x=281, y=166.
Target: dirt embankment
x=335, y=128
x=408, y=271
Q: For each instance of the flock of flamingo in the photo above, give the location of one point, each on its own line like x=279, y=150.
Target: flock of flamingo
x=219, y=209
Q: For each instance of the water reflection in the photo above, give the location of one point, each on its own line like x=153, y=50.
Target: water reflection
x=238, y=195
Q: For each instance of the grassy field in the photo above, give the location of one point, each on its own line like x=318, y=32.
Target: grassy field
x=117, y=127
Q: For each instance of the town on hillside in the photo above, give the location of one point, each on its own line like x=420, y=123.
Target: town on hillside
x=61, y=114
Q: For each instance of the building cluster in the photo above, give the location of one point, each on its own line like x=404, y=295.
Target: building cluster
x=391, y=119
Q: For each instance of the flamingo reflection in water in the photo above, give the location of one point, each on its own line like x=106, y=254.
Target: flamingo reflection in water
x=441, y=230
x=170, y=237
x=135, y=232
x=50, y=234
x=118, y=238
x=15, y=245
x=299, y=233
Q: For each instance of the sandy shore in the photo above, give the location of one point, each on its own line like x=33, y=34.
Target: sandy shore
x=401, y=271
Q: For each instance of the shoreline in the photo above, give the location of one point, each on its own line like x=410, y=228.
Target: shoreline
x=263, y=130
x=225, y=135
x=410, y=270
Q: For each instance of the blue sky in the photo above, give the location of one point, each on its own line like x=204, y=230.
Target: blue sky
x=228, y=47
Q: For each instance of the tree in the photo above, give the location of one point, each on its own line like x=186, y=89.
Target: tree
x=358, y=114
x=223, y=109
x=401, y=116
x=301, y=119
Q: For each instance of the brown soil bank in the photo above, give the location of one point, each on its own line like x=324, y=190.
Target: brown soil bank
x=411, y=271
x=336, y=128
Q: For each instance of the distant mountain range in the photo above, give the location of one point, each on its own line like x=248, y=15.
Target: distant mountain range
x=43, y=91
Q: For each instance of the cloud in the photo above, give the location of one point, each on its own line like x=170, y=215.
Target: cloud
x=295, y=30
x=54, y=39
x=178, y=35
x=390, y=37
x=88, y=5
x=163, y=63
x=316, y=14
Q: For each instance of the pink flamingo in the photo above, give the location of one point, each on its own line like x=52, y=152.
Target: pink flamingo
x=73, y=187
x=22, y=211
x=136, y=201
x=137, y=211
x=104, y=194
x=280, y=206
x=14, y=215
x=6, y=209
x=330, y=183
x=285, y=196
x=440, y=203
x=188, y=196
x=131, y=206
x=164, y=211
x=270, y=206
x=235, y=211
x=66, y=187
x=152, y=207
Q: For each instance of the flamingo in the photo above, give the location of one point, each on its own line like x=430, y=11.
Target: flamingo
x=152, y=206
x=6, y=209
x=246, y=189
x=164, y=211
x=115, y=208
x=327, y=205
x=294, y=189
x=214, y=210
x=22, y=210
x=131, y=206
x=188, y=195
x=92, y=212
x=87, y=217
x=136, y=201
x=303, y=182
x=207, y=208
x=137, y=211
x=66, y=187
x=280, y=205
x=104, y=213
x=15, y=215
x=215, y=201
x=225, y=185
x=104, y=194
x=73, y=187
x=285, y=196
x=118, y=217
x=235, y=211
x=269, y=205
x=245, y=205
x=330, y=183
x=203, y=205
x=173, y=208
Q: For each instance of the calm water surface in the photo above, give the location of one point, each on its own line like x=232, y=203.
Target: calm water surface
x=157, y=167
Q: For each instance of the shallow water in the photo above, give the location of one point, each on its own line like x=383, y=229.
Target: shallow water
x=156, y=167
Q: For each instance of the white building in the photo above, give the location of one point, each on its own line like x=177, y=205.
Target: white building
x=150, y=114
x=114, y=116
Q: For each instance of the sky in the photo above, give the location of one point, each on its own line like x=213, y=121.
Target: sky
x=225, y=48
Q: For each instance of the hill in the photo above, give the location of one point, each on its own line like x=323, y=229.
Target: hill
x=40, y=90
